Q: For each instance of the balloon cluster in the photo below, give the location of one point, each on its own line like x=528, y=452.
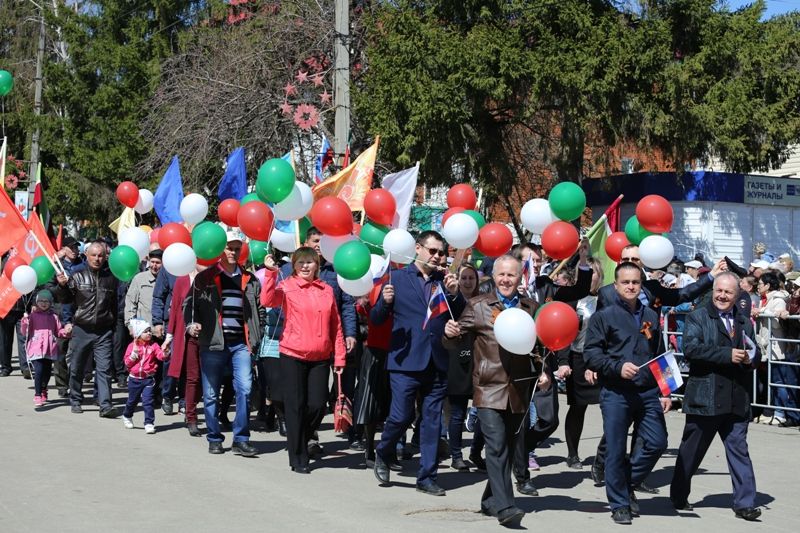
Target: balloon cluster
x=556, y=324
x=647, y=229
x=25, y=278
x=551, y=219
x=464, y=227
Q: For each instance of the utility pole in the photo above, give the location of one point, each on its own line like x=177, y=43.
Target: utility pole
x=37, y=109
x=341, y=80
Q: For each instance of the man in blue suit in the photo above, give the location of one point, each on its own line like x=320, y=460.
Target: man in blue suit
x=417, y=362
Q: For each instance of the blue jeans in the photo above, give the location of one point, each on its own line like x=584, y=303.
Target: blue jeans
x=784, y=397
x=212, y=369
x=141, y=389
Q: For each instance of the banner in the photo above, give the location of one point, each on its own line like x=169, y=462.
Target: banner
x=14, y=226
x=403, y=186
x=353, y=182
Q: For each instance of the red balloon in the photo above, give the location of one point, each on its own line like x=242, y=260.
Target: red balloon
x=256, y=220
x=557, y=325
x=450, y=212
x=12, y=263
x=462, y=195
x=244, y=254
x=494, y=239
x=209, y=262
x=654, y=213
x=614, y=245
x=380, y=206
x=154, y=236
x=560, y=239
x=172, y=233
x=332, y=216
x=128, y=193
x=228, y=212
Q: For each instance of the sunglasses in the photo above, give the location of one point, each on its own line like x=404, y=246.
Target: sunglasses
x=436, y=251
x=631, y=259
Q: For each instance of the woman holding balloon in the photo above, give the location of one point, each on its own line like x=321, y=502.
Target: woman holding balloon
x=312, y=331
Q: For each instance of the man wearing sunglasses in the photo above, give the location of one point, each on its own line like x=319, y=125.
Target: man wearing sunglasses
x=417, y=362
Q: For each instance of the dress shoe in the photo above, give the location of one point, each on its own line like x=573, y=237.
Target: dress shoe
x=394, y=465
x=574, y=463
x=5, y=373
x=459, y=464
x=683, y=506
x=166, y=406
x=215, y=448
x=645, y=488
x=77, y=409
x=315, y=450
x=301, y=469
x=431, y=488
x=621, y=516
x=634, y=505
x=26, y=373
x=598, y=473
x=194, y=431
x=109, y=412
x=244, y=448
x=62, y=392
x=358, y=446
x=527, y=488
x=478, y=461
x=381, y=470
x=510, y=517
x=750, y=514
x=282, y=426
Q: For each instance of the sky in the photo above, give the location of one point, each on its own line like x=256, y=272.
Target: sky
x=774, y=7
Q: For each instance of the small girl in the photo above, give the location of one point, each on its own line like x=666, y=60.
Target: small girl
x=42, y=328
x=140, y=358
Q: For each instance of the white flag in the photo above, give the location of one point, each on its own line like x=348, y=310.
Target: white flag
x=3, y=164
x=403, y=186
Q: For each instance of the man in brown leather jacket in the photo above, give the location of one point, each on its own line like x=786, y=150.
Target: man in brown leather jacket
x=501, y=384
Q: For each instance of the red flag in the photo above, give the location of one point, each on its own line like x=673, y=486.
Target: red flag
x=14, y=226
x=346, y=160
x=59, y=237
x=613, y=214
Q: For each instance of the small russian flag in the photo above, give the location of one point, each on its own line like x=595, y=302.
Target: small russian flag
x=667, y=373
x=437, y=305
x=381, y=276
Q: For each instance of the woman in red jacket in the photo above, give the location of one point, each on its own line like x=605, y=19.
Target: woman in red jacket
x=312, y=332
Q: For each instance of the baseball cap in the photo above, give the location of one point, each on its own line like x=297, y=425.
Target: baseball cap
x=669, y=279
x=69, y=242
x=693, y=264
x=759, y=264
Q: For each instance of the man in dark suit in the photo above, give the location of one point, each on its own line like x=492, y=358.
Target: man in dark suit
x=717, y=399
x=417, y=362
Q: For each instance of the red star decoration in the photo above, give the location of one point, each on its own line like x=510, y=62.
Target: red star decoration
x=318, y=79
x=286, y=108
x=306, y=116
x=290, y=89
x=302, y=76
x=325, y=97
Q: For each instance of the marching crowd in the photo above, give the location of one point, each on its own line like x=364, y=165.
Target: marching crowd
x=266, y=338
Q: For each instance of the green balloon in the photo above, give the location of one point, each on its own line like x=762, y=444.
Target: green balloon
x=567, y=201
x=373, y=234
x=635, y=232
x=124, y=262
x=304, y=224
x=275, y=180
x=258, y=252
x=208, y=240
x=6, y=82
x=352, y=260
x=477, y=217
x=252, y=197
x=44, y=270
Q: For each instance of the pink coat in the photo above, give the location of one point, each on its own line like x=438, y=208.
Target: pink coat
x=146, y=364
x=42, y=329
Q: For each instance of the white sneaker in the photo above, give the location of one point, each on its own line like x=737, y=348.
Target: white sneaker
x=127, y=422
x=149, y=428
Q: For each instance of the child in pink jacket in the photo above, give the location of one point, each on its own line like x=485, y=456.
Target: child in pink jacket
x=42, y=328
x=141, y=358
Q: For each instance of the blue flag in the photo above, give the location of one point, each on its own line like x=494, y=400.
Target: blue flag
x=168, y=197
x=234, y=182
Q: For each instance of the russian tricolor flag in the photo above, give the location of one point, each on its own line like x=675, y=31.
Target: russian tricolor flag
x=667, y=373
x=381, y=275
x=437, y=305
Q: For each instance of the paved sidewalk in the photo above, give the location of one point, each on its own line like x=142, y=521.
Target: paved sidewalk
x=64, y=472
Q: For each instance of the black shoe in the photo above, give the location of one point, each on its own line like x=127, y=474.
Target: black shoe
x=634, y=505
x=621, y=516
x=459, y=464
x=77, y=409
x=62, y=392
x=122, y=382
x=683, y=506
x=750, y=514
x=301, y=470
x=431, y=488
x=478, y=461
x=645, y=488
x=5, y=373
x=574, y=463
x=166, y=406
x=282, y=426
x=109, y=412
x=315, y=451
x=394, y=465
x=357, y=446
x=244, y=448
x=194, y=431
x=26, y=373
x=527, y=488
x=510, y=517
x=381, y=470
x=369, y=460
x=215, y=448
x=598, y=473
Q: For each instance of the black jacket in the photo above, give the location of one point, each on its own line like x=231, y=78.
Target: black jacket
x=657, y=294
x=716, y=385
x=615, y=337
x=93, y=294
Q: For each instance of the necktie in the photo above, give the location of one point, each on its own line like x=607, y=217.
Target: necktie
x=728, y=319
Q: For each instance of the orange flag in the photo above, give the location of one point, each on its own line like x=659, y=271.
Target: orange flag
x=352, y=183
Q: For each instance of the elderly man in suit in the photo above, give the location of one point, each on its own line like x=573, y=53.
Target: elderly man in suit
x=417, y=361
x=717, y=401
x=501, y=384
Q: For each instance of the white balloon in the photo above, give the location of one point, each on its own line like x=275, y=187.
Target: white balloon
x=329, y=244
x=536, y=215
x=400, y=245
x=285, y=242
x=460, y=231
x=145, y=202
x=356, y=287
x=656, y=251
x=137, y=239
x=296, y=205
x=194, y=208
x=179, y=259
x=515, y=331
x=24, y=279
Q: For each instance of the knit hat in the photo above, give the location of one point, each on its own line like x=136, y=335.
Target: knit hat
x=43, y=295
x=138, y=326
